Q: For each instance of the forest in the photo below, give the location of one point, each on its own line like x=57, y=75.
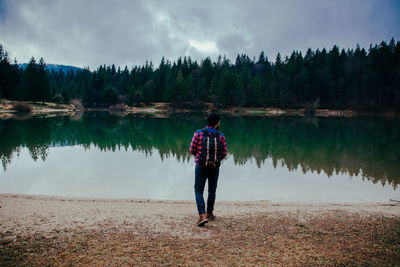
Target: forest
x=357, y=79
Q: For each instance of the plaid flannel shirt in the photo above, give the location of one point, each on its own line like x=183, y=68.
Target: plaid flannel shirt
x=195, y=147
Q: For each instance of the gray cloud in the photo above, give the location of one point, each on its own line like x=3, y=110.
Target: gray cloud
x=91, y=33
x=2, y=11
x=233, y=43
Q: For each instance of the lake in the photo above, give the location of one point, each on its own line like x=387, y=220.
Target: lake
x=295, y=159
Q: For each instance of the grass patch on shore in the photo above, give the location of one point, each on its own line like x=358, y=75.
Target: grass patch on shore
x=256, y=240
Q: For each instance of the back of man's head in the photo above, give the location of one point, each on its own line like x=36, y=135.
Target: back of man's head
x=213, y=119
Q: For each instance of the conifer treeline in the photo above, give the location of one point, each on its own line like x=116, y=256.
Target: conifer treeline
x=353, y=79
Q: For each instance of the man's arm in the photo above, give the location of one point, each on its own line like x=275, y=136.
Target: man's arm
x=224, y=149
x=193, y=145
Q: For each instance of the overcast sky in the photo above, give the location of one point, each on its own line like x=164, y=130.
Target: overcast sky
x=94, y=32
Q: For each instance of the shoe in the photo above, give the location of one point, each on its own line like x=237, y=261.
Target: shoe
x=210, y=216
x=202, y=220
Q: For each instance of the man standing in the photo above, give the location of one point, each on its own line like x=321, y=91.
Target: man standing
x=209, y=147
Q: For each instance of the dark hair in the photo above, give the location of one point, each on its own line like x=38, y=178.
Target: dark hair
x=213, y=119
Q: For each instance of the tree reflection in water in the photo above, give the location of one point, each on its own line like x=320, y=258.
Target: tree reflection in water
x=364, y=145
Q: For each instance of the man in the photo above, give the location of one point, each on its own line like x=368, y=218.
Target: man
x=209, y=147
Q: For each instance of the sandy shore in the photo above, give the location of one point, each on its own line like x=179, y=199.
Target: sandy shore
x=27, y=214
x=24, y=218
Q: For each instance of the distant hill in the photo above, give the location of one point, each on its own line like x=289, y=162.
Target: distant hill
x=55, y=67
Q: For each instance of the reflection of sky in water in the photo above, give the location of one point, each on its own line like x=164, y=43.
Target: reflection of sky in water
x=72, y=171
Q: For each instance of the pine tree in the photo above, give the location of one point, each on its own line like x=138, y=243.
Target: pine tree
x=7, y=82
x=31, y=81
x=43, y=90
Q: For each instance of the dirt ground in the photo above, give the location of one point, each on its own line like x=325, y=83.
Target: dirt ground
x=53, y=231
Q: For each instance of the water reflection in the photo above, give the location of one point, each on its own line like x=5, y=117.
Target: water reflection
x=73, y=172
x=368, y=147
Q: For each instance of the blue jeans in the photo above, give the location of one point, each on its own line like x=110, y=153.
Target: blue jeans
x=202, y=174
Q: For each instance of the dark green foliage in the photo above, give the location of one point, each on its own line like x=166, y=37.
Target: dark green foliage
x=36, y=81
x=43, y=82
x=31, y=83
x=338, y=79
x=9, y=76
x=109, y=95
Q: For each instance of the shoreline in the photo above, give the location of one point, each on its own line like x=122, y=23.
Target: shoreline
x=392, y=202
x=162, y=109
x=44, y=230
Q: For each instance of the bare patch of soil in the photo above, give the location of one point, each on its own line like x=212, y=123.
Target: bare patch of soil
x=54, y=231
x=331, y=240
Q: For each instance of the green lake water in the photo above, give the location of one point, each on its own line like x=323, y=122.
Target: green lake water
x=269, y=158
